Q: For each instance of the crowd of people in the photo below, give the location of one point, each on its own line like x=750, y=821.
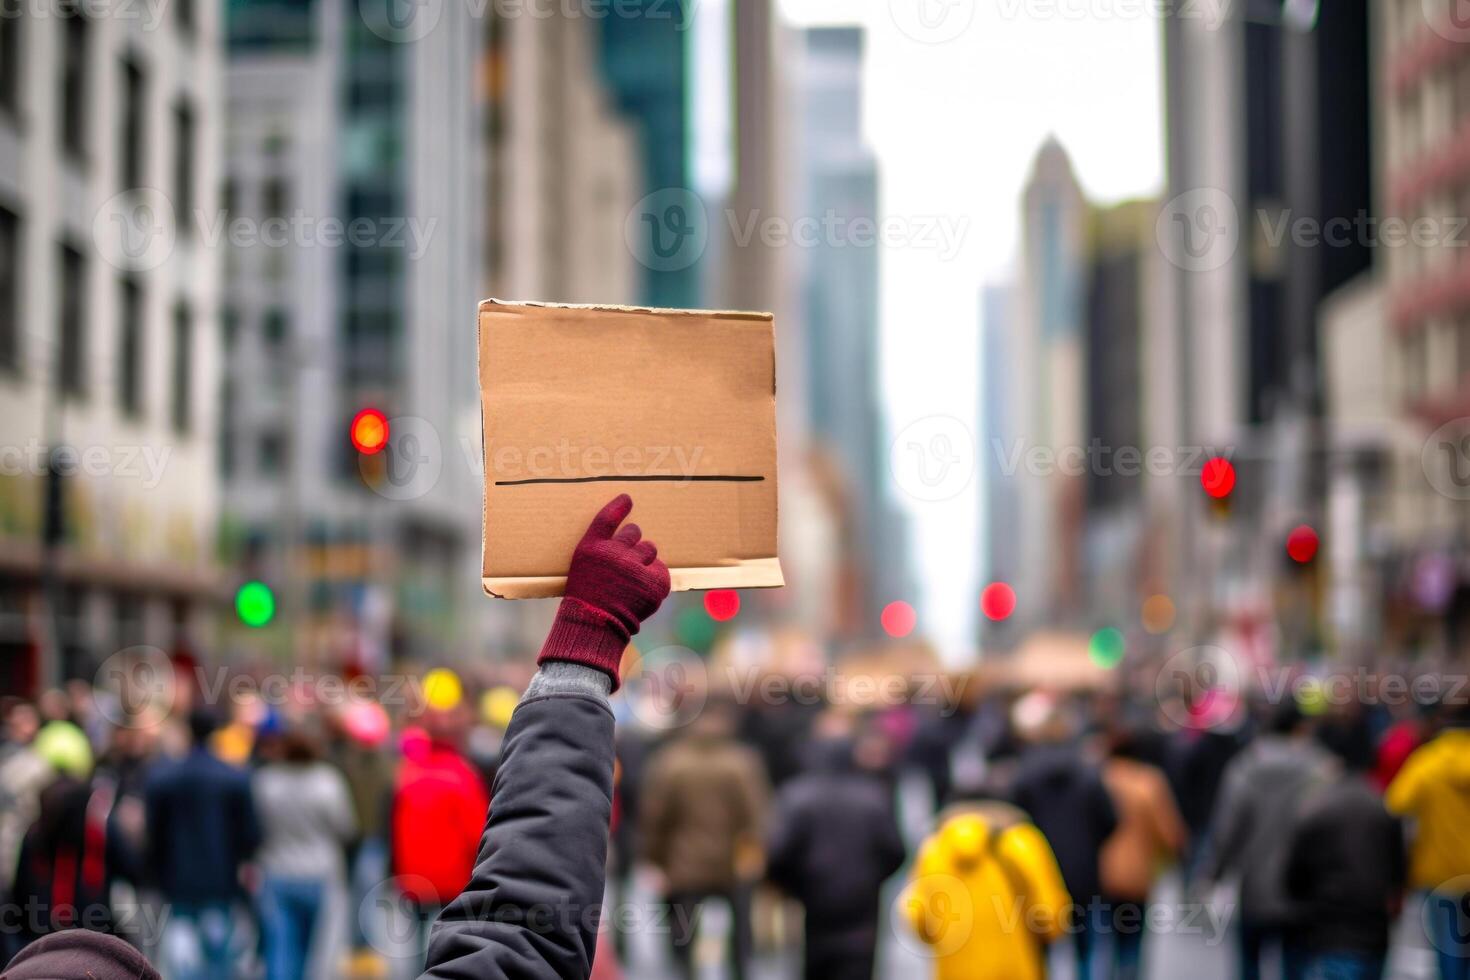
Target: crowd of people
x=293, y=838
x=283, y=846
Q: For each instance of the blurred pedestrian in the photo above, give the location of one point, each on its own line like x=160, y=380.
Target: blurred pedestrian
x=1262, y=790
x=702, y=825
x=1433, y=790
x=987, y=896
x=1150, y=835
x=1201, y=757
x=75, y=851
x=202, y=830
x=1404, y=734
x=834, y=840
x=1345, y=868
x=368, y=762
x=1063, y=793
x=306, y=819
x=23, y=774
x=438, y=814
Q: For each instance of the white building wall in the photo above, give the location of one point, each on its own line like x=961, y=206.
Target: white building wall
x=149, y=531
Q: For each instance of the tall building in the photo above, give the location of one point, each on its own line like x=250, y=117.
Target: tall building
x=564, y=166
x=645, y=56
x=1047, y=405
x=1400, y=366
x=839, y=312
x=363, y=135
x=108, y=353
x=1000, y=500
x=1130, y=484
x=1266, y=137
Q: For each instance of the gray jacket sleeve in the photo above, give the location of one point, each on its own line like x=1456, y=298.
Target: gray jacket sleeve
x=532, y=906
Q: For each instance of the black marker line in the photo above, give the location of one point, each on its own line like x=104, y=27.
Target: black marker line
x=632, y=479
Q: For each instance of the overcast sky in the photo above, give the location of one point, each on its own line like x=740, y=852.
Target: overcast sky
x=960, y=93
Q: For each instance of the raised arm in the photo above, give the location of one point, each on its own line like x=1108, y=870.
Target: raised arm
x=532, y=906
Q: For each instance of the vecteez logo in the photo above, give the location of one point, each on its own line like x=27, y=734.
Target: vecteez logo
x=667, y=230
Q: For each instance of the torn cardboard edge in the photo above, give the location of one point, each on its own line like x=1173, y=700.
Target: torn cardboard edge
x=754, y=573
x=749, y=573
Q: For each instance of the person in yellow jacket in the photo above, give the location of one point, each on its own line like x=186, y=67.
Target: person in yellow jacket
x=986, y=895
x=1433, y=790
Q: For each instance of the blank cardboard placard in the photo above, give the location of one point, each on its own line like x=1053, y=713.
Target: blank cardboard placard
x=676, y=408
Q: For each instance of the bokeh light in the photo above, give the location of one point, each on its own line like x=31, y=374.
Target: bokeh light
x=1217, y=476
x=442, y=689
x=899, y=619
x=1301, y=544
x=255, y=604
x=722, y=604
x=1158, y=614
x=369, y=431
x=997, y=601
x=694, y=629
x=1106, y=647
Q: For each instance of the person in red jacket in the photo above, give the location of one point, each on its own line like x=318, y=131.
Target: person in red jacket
x=438, y=815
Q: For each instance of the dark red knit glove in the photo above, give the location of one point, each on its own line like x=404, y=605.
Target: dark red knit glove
x=616, y=582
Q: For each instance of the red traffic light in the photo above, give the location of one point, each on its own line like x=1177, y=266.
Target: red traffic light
x=1301, y=544
x=1218, y=477
x=722, y=604
x=369, y=432
x=997, y=601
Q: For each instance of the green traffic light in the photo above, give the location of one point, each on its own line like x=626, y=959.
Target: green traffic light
x=255, y=604
x=1106, y=647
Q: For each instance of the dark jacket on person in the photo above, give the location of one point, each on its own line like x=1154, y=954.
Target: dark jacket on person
x=834, y=840
x=704, y=805
x=1065, y=797
x=71, y=858
x=532, y=905
x=1345, y=869
x=201, y=827
x=1258, y=802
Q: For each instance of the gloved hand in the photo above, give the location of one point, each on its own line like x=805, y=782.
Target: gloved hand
x=616, y=582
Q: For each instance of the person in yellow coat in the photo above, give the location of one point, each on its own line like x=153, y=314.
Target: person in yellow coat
x=1433, y=791
x=986, y=895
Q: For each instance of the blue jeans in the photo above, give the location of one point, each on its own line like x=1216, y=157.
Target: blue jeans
x=369, y=870
x=1344, y=966
x=1257, y=942
x=289, y=910
x=1090, y=925
x=197, y=940
x=1128, y=927
x=1448, y=918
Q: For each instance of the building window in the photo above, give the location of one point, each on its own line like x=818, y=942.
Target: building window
x=229, y=194
x=130, y=347
x=183, y=350
x=71, y=358
x=227, y=428
x=276, y=199
x=135, y=103
x=183, y=165
x=275, y=329
x=74, y=30
x=229, y=323
x=11, y=26
x=271, y=453
x=9, y=291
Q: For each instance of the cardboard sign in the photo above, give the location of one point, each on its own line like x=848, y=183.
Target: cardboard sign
x=676, y=408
